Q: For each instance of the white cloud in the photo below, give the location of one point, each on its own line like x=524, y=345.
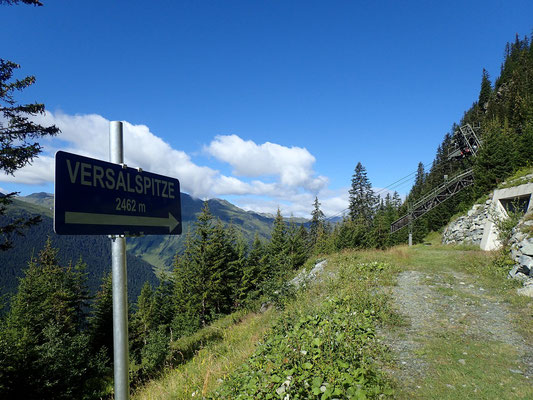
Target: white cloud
x=89, y=135
x=40, y=171
x=332, y=203
x=291, y=182
x=293, y=165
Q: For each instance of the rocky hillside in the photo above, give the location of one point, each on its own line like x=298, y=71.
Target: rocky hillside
x=471, y=228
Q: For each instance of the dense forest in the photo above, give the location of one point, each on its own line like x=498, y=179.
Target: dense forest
x=56, y=341
x=94, y=250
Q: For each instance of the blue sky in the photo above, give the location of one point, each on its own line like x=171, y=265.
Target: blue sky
x=263, y=103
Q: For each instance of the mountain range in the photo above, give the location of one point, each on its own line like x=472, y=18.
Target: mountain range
x=147, y=257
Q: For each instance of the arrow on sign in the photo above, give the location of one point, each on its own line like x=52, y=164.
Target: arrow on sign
x=110, y=219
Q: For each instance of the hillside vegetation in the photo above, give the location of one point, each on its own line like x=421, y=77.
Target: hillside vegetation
x=95, y=251
x=423, y=322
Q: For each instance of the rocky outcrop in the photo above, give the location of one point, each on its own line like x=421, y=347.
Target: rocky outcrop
x=305, y=277
x=468, y=229
x=522, y=251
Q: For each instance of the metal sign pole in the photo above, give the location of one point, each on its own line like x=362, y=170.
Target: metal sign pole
x=120, y=299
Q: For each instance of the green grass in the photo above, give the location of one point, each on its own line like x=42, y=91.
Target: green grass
x=250, y=356
x=485, y=372
x=324, y=345
x=467, y=369
x=518, y=178
x=20, y=206
x=211, y=362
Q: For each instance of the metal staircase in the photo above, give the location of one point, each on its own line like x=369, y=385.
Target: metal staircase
x=431, y=200
x=465, y=143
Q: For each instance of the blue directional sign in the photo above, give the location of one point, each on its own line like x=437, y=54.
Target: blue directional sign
x=95, y=197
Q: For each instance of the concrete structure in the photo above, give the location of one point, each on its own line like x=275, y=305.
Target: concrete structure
x=502, y=200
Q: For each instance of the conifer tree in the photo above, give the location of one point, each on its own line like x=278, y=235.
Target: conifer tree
x=297, y=245
x=18, y=140
x=186, y=295
x=317, y=223
x=145, y=318
x=164, y=307
x=420, y=180
x=49, y=354
x=254, y=272
x=362, y=201
x=200, y=273
x=278, y=259
x=237, y=263
x=325, y=239
x=494, y=161
x=485, y=91
x=380, y=227
x=220, y=253
x=101, y=319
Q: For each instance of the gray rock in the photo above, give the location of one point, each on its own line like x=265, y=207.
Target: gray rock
x=303, y=277
x=527, y=248
x=521, y=276
x=526, y=261
x=513, y=272
x=520, y=235
x=525, y=291
x=529, y=282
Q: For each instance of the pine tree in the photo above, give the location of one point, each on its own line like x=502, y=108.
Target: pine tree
x=317, y=223
x=101, y=319
x=187, y=282
x=49, y=354
x=220, y=253
x=200, y=285
x=297, y=248
x=186, y=298
x=164, y=307
x=145, y=318
x=420, y=181
x=253, y=272
x=237, y=262
x=494, y=161
x=278, y=258
x=325, y=242
x=362, y=201
x=18, y=144
x=485, y=91
x=380, y=227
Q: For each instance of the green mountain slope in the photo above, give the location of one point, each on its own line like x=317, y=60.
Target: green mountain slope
x=94, y=250
x=160, y=250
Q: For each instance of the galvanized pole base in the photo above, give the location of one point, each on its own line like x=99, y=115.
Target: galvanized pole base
x=118, y=275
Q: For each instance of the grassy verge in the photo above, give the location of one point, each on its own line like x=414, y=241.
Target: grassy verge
x=469, y=369
x=323, y=346
x=213, y=360
x=462, y=366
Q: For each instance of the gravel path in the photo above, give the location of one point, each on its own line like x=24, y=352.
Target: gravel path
x=448, y=302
